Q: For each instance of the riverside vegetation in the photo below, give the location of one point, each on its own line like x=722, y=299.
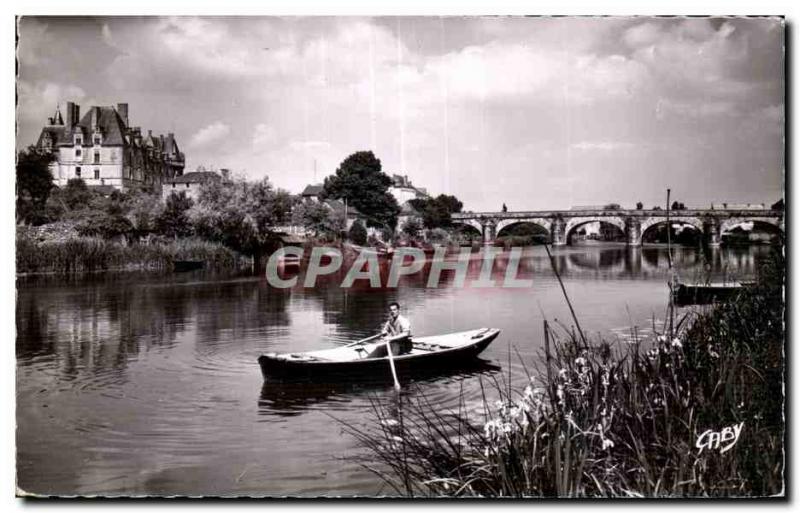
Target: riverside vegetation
x=603, y=421
x=232, y=223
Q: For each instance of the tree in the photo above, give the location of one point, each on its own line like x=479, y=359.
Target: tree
x=142, y=211
x=102, y=224
x=412, y=227
x=360, y=181
x=34, y=182
x=778, y=205
x=319, y=219
x=437, y=212
x=358, y=233
x=76, y=194
x=240, y=214
x=173, y=221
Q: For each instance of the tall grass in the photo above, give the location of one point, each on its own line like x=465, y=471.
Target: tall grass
x=598, y=420
x=82, y=254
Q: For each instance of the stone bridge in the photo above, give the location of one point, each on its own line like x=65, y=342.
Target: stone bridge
x=561, y=224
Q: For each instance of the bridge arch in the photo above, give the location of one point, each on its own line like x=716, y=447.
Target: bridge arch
x=733, y=222
x=576, y=222
x=545, y=224
x=694, y=222
x=468, y=223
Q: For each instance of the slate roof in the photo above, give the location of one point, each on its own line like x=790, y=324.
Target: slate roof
x=338, y=206
x=312, y=190
x=110, y=123
x=195, y=177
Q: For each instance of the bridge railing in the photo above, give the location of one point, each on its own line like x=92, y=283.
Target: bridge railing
x=626, y=213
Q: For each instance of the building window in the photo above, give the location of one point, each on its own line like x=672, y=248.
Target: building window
x=96, y=174
x=97, y=157
x=78, y=140
x=77, y=152
x=187, y=185
x=78, y=171
x=173, y=185
x=96, y=140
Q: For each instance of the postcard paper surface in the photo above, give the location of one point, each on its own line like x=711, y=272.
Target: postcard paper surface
x=400, y=256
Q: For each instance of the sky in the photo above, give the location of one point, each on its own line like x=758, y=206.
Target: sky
x=537, y=112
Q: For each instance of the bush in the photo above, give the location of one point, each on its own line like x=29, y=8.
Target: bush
x=105, y=226
x=173, y=221
x=358, y=233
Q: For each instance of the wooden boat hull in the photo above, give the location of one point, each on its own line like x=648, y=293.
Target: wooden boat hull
x=685, y=295
x=428, y=353
x=182, y=266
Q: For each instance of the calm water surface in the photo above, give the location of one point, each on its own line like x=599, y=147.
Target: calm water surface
x=148, y=384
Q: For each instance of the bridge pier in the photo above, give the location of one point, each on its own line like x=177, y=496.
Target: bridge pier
x=713, y=232
x=558, y=232
x=489, y=232
x=633, y=231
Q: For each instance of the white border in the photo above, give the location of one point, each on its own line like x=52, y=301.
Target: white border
x=320, y=7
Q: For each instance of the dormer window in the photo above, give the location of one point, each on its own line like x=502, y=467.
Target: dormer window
x=97, y=139
x=78, y=140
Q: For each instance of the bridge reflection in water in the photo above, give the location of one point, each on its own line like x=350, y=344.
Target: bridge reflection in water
x=618, y=261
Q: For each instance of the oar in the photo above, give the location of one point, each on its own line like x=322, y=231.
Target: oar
x=391, y=364
x=363, y=340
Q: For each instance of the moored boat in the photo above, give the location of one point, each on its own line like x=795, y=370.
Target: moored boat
x=438, y=351
x=180, y=266
x=704, y=293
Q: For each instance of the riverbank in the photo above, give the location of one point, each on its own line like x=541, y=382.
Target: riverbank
x=693, y=413
x=73, y=254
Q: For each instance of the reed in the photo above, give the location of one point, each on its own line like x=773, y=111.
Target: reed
x=86, y=254
x=607, y=420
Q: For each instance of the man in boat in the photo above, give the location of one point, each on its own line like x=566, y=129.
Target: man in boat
x=398, y=331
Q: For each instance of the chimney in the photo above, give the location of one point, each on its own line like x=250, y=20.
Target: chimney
x=122, y=110
x=95, y=117
x=71, y=114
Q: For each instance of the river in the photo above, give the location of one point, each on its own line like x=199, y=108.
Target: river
x=147, y=384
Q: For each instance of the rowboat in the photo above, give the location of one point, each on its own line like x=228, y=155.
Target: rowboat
x=705, y=293
x=438, y=351
x=182, y=266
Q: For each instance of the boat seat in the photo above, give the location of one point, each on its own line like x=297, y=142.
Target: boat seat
x=399, y=346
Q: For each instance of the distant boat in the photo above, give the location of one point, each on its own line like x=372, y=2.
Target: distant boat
x=705, y=293
x=180, y=266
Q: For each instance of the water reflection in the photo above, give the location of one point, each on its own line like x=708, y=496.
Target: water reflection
x=289, y=398
x=141, y=383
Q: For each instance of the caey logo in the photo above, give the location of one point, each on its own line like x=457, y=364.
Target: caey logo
x=723, y=440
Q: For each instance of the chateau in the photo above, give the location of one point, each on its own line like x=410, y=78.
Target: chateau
x=103, y=150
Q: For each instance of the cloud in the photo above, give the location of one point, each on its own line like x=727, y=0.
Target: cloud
x=461, y=105
x=263, y=135
x=309, y=145
x=602, y=145
x=38, y=101
x=212, y=133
